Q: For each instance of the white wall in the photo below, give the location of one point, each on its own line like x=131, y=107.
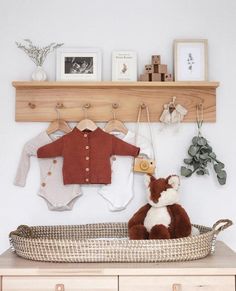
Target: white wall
x=145, y=26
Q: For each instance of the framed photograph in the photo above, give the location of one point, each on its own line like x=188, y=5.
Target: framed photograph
x=79, y=64
x=190, y=60
x=124, y=66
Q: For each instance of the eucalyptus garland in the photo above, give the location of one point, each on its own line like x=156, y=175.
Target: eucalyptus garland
x=201, y=157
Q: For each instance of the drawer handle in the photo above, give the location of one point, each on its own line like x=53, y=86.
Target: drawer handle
x=176, y=287
x=60, y=287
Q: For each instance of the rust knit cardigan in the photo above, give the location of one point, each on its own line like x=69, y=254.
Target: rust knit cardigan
x=87, y=155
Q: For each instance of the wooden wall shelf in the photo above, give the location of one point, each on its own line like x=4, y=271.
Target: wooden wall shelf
x=36, y=101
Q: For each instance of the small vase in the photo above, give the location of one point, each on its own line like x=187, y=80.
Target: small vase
x=39, y=74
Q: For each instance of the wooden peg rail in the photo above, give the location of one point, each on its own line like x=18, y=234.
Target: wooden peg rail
x=36, y=101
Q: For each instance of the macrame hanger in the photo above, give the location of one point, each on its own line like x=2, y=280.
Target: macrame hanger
x=172, y=105
x=199, y=118
x=141, y=107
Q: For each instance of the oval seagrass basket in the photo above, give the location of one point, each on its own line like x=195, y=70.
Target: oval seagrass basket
x=108, y=242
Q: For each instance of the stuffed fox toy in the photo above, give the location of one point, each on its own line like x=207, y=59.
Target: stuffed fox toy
x=162, y=217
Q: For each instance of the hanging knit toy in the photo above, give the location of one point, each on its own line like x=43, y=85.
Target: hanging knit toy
x=201, y=155
x=173, y=113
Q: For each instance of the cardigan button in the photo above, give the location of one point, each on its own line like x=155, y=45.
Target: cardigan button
x=87, y=169
x=87, y=147
x=87, y=158
x=85, y=135
x=86, y=180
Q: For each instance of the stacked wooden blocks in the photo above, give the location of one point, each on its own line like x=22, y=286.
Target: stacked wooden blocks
x=156, y=72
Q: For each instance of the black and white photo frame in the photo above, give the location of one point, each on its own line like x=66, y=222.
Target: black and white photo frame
x=79, y=64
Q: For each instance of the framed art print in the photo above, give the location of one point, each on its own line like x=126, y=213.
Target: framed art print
x=190, y=60
x=78, y=64
x=124, y=66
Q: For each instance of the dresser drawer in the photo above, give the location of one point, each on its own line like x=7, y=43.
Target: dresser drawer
x=177, y=283
x=85, y=283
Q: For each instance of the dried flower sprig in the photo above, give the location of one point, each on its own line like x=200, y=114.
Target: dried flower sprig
x=37, y=54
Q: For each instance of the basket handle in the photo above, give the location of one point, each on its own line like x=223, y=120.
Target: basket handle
x=221, y=225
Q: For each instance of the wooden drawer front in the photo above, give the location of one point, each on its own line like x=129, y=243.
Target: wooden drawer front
x=177, y=283
x=85, y=283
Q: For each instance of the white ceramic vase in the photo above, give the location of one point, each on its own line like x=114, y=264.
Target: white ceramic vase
x=39, y=74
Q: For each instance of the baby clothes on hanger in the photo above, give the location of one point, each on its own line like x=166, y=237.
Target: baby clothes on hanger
x=120, y=192
x=58, y=196
x=87, y=155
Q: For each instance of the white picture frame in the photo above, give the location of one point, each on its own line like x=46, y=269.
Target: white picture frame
x=124, y=66
x=79, y=64
x=191, y=59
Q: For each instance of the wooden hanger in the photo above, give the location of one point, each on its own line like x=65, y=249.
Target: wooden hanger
x=86, y=123
x=58, y=125
x=115, y=124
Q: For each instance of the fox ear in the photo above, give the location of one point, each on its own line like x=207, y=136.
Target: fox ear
x=148, y=179
x=174, y=181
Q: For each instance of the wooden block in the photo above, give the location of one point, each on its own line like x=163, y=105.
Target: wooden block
x=162, y=69
x=155, y=68
x=166, y=77
x=145, y=77
x=149, y=69
x=156, y=77
x=156, y=59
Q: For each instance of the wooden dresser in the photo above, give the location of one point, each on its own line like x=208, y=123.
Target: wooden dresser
x=214, y=273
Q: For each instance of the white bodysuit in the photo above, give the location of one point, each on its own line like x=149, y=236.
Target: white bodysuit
x=59, y=197
x=120, y=192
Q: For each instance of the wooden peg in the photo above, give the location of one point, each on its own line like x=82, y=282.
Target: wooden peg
x=87, y=106
x=60, y=287
x=115, y=105
x=59, y=105
x=31, y=105
x=176, y=287
x=143, y=105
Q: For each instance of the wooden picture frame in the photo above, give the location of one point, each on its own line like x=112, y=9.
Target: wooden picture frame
x=79, y=64
x=191, y=59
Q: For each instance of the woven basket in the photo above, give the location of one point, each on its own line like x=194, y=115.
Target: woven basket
x=108, y=242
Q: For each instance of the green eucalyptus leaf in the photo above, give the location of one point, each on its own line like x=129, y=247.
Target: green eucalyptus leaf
x=193, y=150
x=196, y=159
x=195, y=140
x=186, y=172
x=196, y=165
x=200, y=172
x=212, y=155
x=204, y=156
x=206, y=172
x=188, y=161
x=218, y=167
x=221, y=181
x=222, y=174
x=201, y=156
x=209, y=149
x=202, y=141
